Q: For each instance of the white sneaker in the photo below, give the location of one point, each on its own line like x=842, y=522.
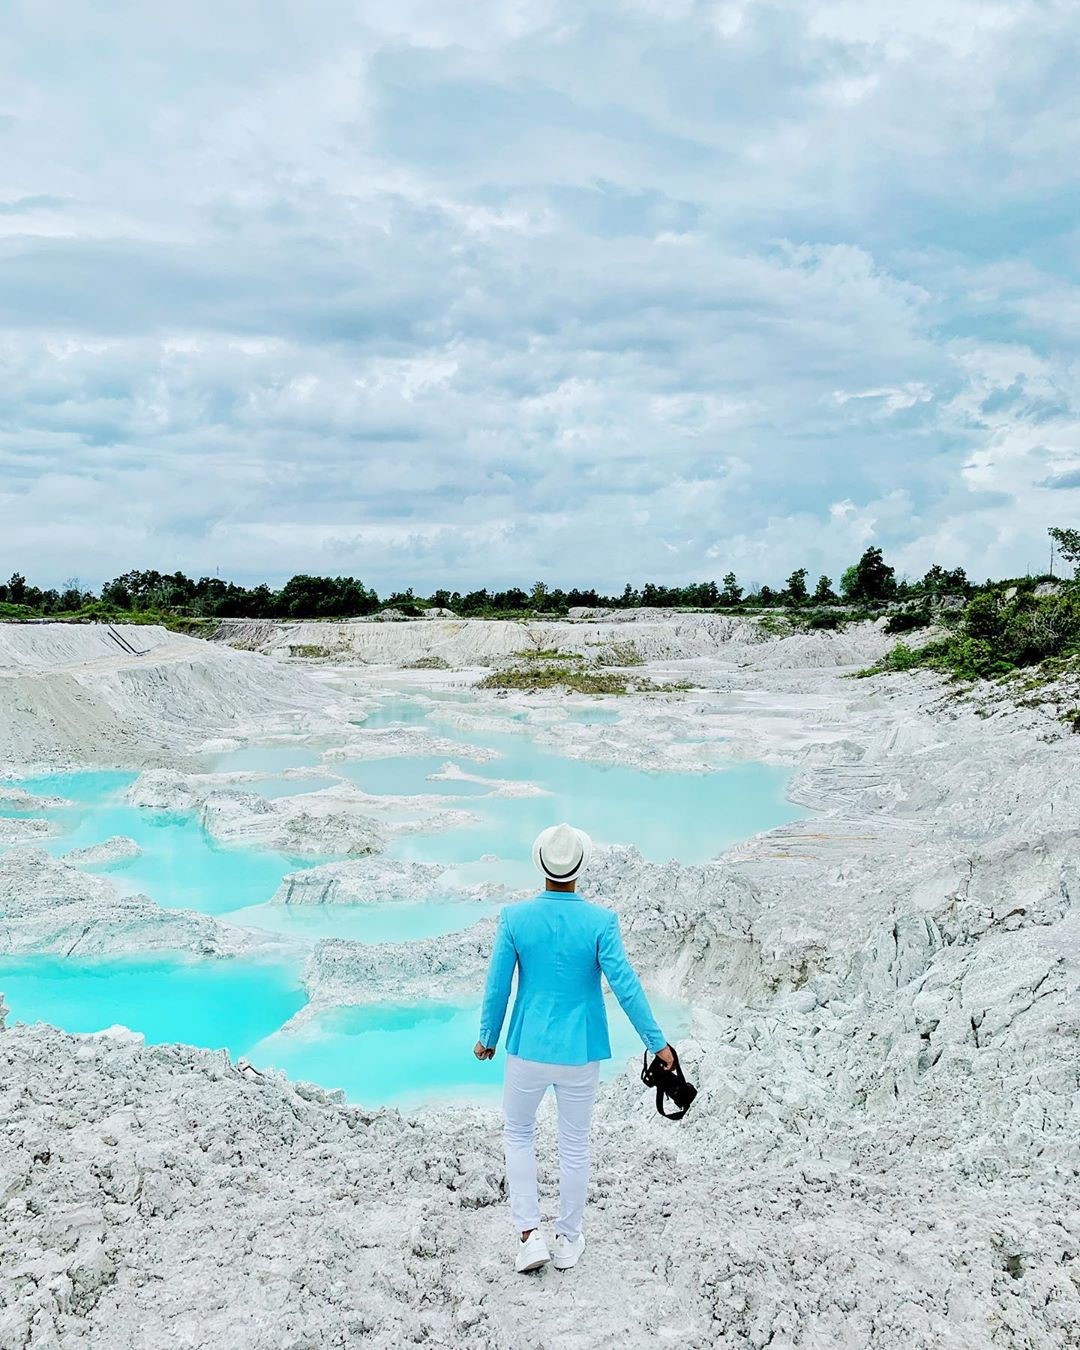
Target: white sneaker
x=567, y=1251
x=532, y=1253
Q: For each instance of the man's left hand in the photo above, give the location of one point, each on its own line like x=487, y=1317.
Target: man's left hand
x=483, y=1051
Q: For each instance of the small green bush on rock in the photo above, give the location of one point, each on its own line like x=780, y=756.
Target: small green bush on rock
x=908, y=620
x=620, y=654
x=431, y=662
x=551, y=676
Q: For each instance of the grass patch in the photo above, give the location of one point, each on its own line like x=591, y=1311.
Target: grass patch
x=547, y=654
x=619, y=654
x=577, y=679
x=100, y=613
x=555, y=676
x=428, y=663
x=312, y=651
x=775, y=626
x=178, y=623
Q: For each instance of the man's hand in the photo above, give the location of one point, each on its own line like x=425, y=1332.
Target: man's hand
x=666, y=1057
x=483, y=1051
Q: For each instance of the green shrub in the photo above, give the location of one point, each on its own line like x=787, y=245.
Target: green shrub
x=431, y=662
x=994, y=636
x=551, y=676
x=1037, y=629
x=619, y=654
x=579, y=679
x=908, y=620
x=825, y=619
x=311, y=651
x=547, y=654
x=902, y=657
x=775, y=625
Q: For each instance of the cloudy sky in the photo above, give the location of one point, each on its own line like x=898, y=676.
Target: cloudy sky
x=447, y=293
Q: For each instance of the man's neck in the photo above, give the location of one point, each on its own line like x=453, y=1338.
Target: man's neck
x=559, y=885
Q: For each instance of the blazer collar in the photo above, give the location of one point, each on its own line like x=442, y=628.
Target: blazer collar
x=559, y=895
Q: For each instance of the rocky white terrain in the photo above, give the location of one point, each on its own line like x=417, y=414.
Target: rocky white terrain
x=649, y=635
x=70, y=694
x=49, y=907
x=886, y=1033
x=375, y=879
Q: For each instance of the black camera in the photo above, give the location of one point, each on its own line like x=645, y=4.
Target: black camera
x=669, y=1083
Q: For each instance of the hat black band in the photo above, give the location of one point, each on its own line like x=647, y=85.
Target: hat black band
x=561, y=876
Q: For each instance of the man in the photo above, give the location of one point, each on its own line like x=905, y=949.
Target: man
x=559, y=945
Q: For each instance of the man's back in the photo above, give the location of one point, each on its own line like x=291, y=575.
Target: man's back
x=559, y=944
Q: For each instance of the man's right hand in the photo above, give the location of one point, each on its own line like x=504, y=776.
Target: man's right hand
x=666, y=1057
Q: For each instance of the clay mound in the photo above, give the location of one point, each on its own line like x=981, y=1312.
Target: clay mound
x=69, y=692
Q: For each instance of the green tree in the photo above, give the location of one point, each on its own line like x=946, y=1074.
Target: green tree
x=732, y=592
x=116, y=595
x=823, y=591
x=796, y=591
x=305, y=597
x=260, y=601
x=871, y=579
x=16, y=589
x=474, y=602
x=1068, y=545
x=938, y=581
x=588, y=599
x=848, y=581
x=72, y=596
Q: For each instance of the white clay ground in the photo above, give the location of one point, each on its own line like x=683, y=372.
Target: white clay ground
x=886, y=1035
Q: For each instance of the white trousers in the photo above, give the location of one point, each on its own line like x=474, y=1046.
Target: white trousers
x=524, y=1086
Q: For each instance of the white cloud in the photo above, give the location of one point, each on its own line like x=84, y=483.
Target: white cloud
x=448, y=294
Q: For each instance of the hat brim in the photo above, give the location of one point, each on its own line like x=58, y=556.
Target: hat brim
x=563, y=877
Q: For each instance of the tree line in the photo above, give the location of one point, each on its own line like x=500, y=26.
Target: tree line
x=869, y=582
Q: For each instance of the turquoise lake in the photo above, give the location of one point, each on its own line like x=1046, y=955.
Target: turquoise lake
x=689, y=816
x=408, y=1055
x=227, y=1005
x=379, y=1053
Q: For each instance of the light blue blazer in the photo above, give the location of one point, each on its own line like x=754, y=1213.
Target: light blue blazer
x=559, y=944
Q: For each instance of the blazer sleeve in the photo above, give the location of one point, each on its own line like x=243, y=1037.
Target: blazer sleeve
x=497, y=989
x=626, y=986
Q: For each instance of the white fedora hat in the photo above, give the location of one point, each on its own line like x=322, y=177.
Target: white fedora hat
x=561, y=853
